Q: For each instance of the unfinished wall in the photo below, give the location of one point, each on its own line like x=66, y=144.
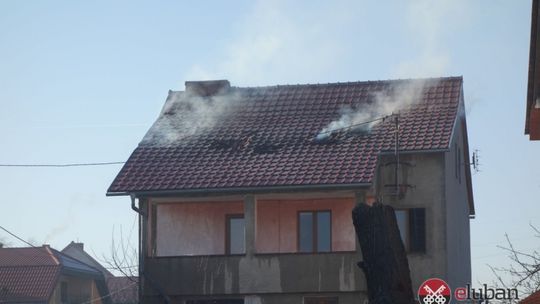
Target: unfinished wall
x=457, y=206
x=425, y=173
x=261, y=274
x=277, y=223
x=194, y=228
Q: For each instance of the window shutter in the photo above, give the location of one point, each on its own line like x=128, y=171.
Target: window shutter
x=417, y=224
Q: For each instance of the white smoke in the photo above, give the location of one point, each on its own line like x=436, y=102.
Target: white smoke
x=185, y=114
x=386, y=102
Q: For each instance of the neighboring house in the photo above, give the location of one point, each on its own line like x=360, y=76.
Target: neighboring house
x=44, y=275
x=123, y=290
x=532, y=299
x=76, y=251
x=242, y=199
x=532, y=118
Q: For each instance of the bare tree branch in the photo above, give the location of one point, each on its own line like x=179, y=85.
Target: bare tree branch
x=523, y=273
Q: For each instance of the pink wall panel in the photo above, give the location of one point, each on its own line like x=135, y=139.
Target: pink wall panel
x=277, y=222
x=195, y=228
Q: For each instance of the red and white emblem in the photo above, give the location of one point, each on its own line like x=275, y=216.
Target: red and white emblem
x=434, y=291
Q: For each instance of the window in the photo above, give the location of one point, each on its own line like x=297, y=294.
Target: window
x=320, y=300
x=314, y=231
x=412, y=227
x=236, y=234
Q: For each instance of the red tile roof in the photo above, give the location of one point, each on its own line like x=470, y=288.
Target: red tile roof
x=532, y=299
x=265, y=138
x=27, y=274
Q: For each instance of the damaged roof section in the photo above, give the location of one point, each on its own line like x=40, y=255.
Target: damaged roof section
x=216, y=136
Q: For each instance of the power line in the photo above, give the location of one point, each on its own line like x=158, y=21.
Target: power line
x=357, y=124
x=62, y=165
x=109, y=294
x=15, y=236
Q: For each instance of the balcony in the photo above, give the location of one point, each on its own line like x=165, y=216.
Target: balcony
x=258, y=273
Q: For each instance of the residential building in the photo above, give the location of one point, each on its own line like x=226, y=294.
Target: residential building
x=122, y=289
x=245, y=194
x=44, y=275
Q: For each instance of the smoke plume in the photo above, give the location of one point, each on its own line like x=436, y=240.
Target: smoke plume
x=185, y=114
x=386, y=102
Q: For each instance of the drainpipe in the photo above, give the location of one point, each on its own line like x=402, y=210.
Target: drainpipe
x=134, y=207
x=153, y=284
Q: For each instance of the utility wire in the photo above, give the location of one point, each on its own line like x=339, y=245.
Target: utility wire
x=62, y=165
x=357, y=124
x=109, y=294
x=17, y=237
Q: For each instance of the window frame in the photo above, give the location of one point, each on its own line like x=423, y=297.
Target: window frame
x=407, y=245
x=408, y=227
x=228, y=218
x=314, y=232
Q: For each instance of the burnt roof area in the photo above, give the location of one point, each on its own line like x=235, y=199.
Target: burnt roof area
x=234, y=137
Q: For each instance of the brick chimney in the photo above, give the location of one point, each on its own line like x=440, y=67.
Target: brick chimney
x=208, y=87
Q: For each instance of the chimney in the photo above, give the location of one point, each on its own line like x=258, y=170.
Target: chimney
x=207, y=88
x=1, y=245
x=79, y=246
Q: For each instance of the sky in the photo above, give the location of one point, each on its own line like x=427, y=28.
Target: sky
x=82, y=81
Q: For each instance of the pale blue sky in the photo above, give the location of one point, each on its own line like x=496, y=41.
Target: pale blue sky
x=83, y=81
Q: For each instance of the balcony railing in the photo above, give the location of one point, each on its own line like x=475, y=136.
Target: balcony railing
x=259, y=273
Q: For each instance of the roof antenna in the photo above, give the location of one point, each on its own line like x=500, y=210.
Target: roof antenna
x=475, y=161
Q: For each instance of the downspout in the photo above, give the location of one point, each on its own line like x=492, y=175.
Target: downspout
x=142, y=273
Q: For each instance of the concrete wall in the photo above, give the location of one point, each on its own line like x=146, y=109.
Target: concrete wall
x=256, y=275
x=425, y=174
x=343, y=298
x=192, y=228
x=277, y=223
x=457, y=214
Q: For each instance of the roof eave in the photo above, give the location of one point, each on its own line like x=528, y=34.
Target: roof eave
x=238, y=190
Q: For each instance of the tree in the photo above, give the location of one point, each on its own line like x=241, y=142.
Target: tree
x=124, y=257
x=523, y=273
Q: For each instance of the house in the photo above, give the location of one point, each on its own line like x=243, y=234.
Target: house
x=532, y=118
x=245, y=194
x=534, y=298
x=122, y=289
x=44, y=275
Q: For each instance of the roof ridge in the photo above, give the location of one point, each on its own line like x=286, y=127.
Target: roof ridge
x=460, y=77
x=48, y=249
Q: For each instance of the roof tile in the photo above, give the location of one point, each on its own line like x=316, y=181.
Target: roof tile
x=266, y=138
